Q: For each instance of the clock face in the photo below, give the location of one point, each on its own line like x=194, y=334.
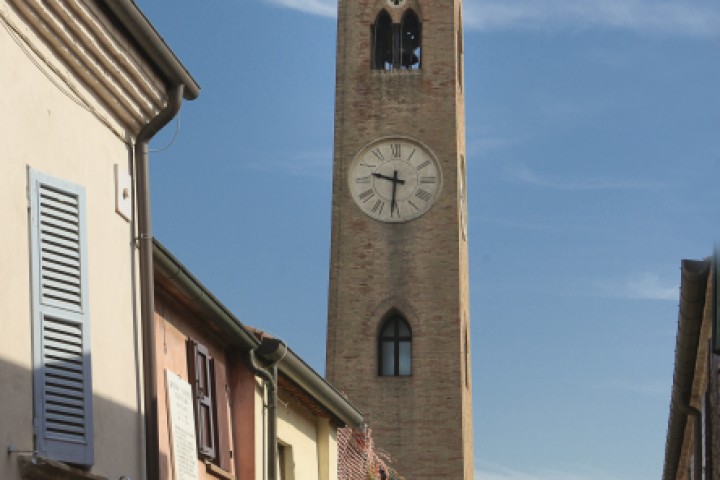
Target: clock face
x=395, y=179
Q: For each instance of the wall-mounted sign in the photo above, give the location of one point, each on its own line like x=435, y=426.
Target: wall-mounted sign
x=182, y=428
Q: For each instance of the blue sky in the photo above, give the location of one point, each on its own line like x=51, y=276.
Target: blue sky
x=593, y=157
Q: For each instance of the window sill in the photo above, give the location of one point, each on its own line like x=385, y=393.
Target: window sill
x=218, y=472
x=39, y=468
x=396, y=71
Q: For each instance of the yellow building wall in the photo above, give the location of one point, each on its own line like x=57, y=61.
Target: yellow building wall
x=310, y=440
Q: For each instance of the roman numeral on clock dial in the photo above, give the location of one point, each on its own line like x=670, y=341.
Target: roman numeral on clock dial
x=367, y=195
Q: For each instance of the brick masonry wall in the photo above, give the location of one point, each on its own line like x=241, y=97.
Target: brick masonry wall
x=419, y=267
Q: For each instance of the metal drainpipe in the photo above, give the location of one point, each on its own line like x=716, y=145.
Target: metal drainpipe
x=147, y=290
x=269, y=375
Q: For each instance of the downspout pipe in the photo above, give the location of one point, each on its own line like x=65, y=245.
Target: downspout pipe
x=147, y=290
x=269, y=375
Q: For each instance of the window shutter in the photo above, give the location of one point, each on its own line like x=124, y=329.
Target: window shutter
x=202, y=377
x=61, y=334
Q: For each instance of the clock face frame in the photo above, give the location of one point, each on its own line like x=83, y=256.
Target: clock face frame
x=463, y=198
x=395, y=179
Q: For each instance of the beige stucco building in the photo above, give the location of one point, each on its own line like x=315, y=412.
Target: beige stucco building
x=85, y=85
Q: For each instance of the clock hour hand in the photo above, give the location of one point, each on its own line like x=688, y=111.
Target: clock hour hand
x=393, y=179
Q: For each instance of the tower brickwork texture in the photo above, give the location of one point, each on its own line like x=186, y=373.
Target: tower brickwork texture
x=398, y=316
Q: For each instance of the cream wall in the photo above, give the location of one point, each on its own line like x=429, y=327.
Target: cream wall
x=311, y=439
x=42, y=127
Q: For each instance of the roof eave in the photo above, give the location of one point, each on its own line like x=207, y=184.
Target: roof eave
x=153, y=45
x=693, y=284
x=169, y=269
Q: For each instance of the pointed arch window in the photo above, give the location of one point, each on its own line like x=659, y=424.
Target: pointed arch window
x=382, y=58
x=396, y=46
x=410, y=41
x=395, y=348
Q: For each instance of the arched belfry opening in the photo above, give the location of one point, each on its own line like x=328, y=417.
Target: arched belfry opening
x=395, y=347
x=382, y=30
x=396, y=45
x=410, y=41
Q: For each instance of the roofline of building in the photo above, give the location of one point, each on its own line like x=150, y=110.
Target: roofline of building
x=694, y=278
x=153, y=45
x=238, y=337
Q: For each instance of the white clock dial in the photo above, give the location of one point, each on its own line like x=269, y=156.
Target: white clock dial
x=395, y=179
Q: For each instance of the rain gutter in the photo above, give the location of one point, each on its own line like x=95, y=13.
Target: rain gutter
x=180, y=85
x=147, y=292
x=231, y=330
x=693, y=284
x=269, y=376
x=153, y=45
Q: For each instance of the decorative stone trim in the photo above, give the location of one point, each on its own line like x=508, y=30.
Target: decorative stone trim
x=39, y=468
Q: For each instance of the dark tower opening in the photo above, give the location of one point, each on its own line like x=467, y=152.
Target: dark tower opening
x=396, y=46
x=382, y=32
x=410, y=39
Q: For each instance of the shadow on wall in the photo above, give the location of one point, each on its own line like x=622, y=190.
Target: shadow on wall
x=116, y=432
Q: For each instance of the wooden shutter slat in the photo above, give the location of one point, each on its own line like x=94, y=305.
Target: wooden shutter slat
x=55, y=268
x=52, y=260
x=54, y=204
x=64, y=350
x=59, y=395
x=58, y=217
x=72, y=386
x=67, y=373
x=66, y=288
x=69, y=278
x=67, y=425
x=61, y=244
x=65, y=409
x=54, y=230
x=48, y=191
x=61, y=248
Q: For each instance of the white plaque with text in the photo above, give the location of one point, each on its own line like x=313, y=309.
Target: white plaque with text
x=182, y=428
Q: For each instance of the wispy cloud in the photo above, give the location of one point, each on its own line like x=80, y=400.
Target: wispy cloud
x=323, y=8
x=643, y=286
x=695, y=18
x=497, y=472
x=647, y=16
x=525, y=175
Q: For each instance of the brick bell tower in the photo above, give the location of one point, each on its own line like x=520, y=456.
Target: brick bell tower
x=398, y=318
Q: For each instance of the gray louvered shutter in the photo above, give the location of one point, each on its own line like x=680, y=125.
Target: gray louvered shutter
x=61, y=333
